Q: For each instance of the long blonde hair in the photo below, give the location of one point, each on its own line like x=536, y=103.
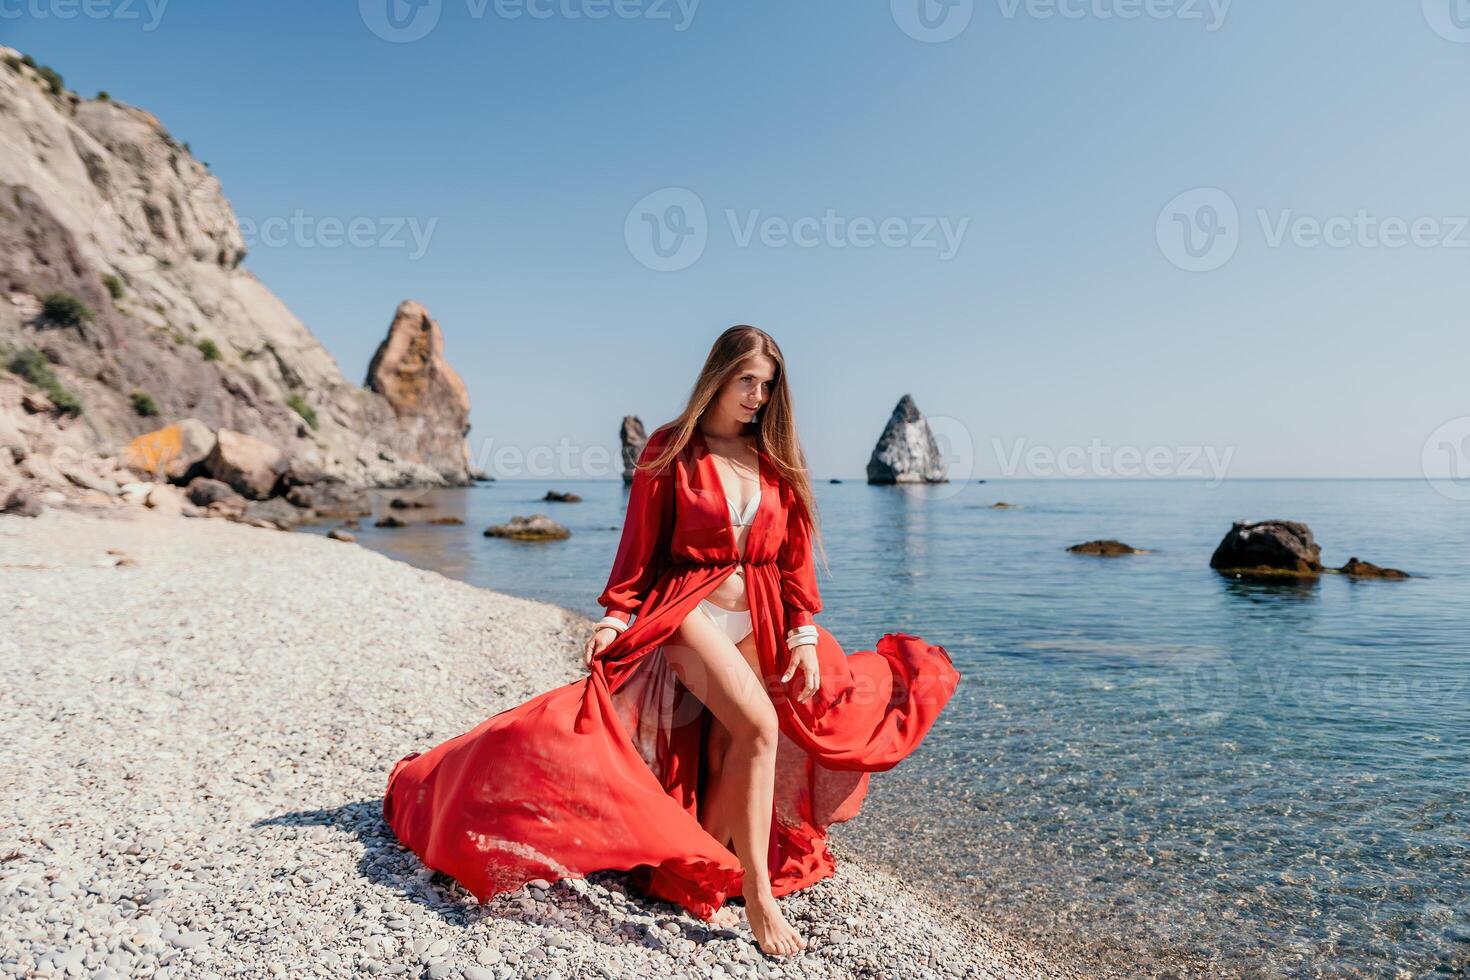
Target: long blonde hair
x=775, y=428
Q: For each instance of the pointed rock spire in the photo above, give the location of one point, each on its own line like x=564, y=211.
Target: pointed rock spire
x=426, y=394
x=634, y=438
x=906, y=451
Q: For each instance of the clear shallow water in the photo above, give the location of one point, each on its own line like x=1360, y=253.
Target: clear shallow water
x=1152, y=767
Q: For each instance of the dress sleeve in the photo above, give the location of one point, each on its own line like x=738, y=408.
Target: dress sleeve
x=798, y=574
x=647, y=534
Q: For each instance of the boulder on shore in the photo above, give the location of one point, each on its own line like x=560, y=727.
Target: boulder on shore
x=331, y=499
x=276, y=511
x=22, y=503
x=247, y=464
x=175, y=452
x=1106, y=547
x=537, y=527
x=203, y=491
x=1268, y=549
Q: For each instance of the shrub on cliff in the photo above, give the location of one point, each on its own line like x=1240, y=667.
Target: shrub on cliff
x=114, y=285
x=209, y=349
x=32, y=365
x=65, y=309
x=143, y=403
x=299, y=406
x=52, y=77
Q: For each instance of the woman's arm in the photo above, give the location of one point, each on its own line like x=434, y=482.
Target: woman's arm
x=799, y=592
x=647, y=534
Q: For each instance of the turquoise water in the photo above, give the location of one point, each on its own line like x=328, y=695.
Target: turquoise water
x=1150, y=766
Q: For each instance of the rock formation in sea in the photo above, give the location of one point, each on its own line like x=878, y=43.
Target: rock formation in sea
x=125, y=307
x=1105, y=547
x=906, y=451
x=633, y=439
x=536, y=527
x=1268, y=549
x=426, y=394
x=1366, y=569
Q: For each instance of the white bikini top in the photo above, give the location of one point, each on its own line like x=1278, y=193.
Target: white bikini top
x=738, y=519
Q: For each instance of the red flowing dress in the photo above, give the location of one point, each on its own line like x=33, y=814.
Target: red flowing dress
x=605, y=772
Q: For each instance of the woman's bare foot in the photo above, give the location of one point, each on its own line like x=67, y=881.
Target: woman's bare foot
x=772, y=932
x=725, y=917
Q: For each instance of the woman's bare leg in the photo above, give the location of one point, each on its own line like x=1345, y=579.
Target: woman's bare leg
x=716, y=802
x=704, y=659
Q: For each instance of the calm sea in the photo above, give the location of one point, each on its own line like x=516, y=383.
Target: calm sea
x=1146, y=765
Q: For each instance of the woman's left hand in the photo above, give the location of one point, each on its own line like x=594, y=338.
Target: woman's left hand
x=804, y=658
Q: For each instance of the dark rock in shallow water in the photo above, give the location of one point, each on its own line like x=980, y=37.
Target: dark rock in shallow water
x=1106, y=547
x=389, y=521
x=561, y=497
x=1366, y=569
x=337, y=534
x=1267, y=549
x=447, y=521
x=400, y=503
x=906, y=451
x=1002, y=505
x=537, y=527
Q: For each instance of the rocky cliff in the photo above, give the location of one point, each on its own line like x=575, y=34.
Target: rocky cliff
x=124, y=306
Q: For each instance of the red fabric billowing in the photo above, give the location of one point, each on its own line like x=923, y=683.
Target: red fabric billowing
x=605, y=772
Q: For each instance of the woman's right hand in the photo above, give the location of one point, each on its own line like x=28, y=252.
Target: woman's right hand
x=596, y=643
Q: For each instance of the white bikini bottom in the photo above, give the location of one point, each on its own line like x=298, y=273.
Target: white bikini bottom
x=735, y=622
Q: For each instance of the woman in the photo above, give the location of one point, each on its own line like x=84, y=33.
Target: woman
x=720, y=730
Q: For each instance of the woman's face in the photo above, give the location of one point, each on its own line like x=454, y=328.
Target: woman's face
x=748, y=389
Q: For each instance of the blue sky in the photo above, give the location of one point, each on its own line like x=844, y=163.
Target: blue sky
x=1053, y=139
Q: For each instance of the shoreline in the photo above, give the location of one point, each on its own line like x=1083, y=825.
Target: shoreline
x=201, y=742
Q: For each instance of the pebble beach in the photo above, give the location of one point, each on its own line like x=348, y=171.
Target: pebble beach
x=200, y=718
